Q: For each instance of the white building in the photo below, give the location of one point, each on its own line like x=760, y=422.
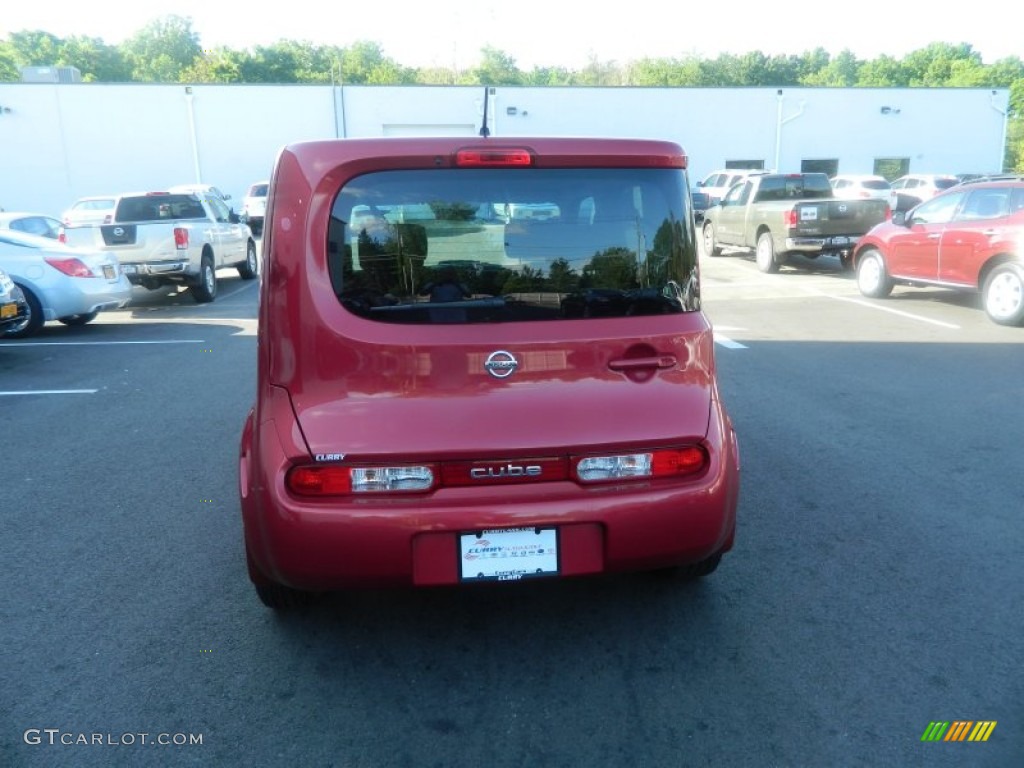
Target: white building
x=62, y=141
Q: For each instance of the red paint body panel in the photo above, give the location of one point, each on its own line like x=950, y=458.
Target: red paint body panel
x=334, y=383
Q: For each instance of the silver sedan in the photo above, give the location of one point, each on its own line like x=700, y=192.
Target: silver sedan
x=71, y=285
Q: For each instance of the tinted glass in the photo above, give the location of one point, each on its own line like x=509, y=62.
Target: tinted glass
x=945, y=183
x=258, y=190
x=488, y=245
x=938, y=210
x=159, y=207
x=876, y=184
x=815, y=186
x=37, y=225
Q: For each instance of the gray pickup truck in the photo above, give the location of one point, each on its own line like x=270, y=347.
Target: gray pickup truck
x=162, y=238
x=777, y=214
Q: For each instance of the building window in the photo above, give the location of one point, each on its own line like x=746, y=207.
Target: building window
x=892, y=167
x=755, y=165
x=828, y=167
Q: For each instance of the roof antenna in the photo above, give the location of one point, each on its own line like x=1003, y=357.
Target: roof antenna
x=484, y=130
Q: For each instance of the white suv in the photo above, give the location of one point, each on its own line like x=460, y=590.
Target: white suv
x=254, y=206
x=918, y=187
x=717, y=183
x=863, y=187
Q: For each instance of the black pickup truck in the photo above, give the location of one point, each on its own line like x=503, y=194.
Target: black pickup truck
x=777, y=214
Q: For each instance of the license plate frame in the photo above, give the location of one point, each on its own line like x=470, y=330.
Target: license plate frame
x=509, y=554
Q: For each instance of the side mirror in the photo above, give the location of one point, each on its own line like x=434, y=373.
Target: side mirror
x=234, y=218
x=700, y=183
x=900, y=218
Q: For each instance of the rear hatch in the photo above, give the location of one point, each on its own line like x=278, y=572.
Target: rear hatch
x=850, y=218
x=450, y=325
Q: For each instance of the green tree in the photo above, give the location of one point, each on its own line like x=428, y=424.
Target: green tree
x=496, y=68
x=883, y=72
x=841, y=72
x=932, y=66
x=221, y=65
x=97, y=61
x=9, y=72
x=35, y=48
x=162, y=50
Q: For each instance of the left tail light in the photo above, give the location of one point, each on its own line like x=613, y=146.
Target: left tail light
x=181, y=238
x=337, y=480
x=71, y=267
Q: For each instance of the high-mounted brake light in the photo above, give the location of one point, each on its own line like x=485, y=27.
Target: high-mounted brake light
x=71, y=267
x=669, y=462
x=479, y=158
x=337, y=480
x=181, y=238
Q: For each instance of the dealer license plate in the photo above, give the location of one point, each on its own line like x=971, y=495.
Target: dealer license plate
x=508, y=554
x=8, y=310
x=108, y=272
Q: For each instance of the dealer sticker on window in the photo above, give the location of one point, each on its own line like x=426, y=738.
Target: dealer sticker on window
x=508, y=554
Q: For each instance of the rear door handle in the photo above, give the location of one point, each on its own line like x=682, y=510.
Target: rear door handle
x=638, y=363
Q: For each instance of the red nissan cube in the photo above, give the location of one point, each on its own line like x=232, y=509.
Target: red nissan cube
x=481, y=360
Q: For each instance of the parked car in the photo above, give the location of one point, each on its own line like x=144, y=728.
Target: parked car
x=401, y=436
x=254, y=205
x=778, y=215
x=89, y=210
x=717, y=183
x=970, y=238
x=32, y=223
x=173, y=238
x=917, y=187
x=71, y=285
x=863, y=187
x=12, y=302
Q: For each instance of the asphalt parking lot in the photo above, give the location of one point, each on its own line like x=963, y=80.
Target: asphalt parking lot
x=875, y=586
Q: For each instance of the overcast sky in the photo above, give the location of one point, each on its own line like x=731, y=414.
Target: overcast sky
x=423, y=33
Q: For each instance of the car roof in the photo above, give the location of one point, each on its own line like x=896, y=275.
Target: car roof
x=423, y=152
x=12, y=215
x=859, y=176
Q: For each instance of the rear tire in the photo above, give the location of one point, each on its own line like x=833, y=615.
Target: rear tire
x=83, y=319
x=33, y=320
x=1003, y=295
x=872, y=279
x=765, y=255
x=274, y=595
x=204, y=290
x=693, y=571
x=250, y=267
x=711, y=248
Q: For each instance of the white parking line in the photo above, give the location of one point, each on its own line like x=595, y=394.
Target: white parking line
x=728, y=343
x=901, y=313
x=50, y=392
x=96, y=343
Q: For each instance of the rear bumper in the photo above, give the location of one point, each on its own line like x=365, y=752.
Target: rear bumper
x=137, y=271
x=820, y=244
x=88, y=296
x=338, y=544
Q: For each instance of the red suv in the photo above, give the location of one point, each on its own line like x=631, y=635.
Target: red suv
x=448, y=392
x=970, y=237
